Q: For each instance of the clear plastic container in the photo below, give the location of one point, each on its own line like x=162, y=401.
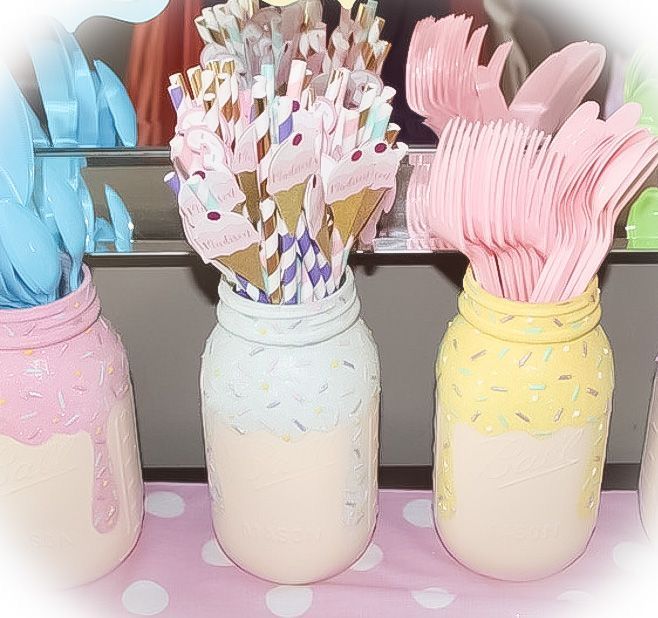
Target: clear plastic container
x=291, y=411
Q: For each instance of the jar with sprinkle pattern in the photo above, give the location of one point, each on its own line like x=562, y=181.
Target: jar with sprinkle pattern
x=71, y=493
x=523, y=397
x=290, y=397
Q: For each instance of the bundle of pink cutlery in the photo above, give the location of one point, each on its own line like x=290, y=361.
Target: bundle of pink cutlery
x=535, y=213
x=444, y=79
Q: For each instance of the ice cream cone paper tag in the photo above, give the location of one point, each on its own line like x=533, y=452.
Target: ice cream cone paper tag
x=231, y=240
x=294, y=162
x=386, y=162
x=346, y=188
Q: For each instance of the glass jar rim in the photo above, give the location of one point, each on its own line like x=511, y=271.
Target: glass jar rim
x=44, y=325
x=530, y=322
x=289, y=325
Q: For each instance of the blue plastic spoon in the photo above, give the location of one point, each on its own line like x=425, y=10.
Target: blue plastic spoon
x=88, y=213
x=121, y=107
x=16, y=149
x=83, y=88
x=53, y=72
x=121, y=221
x=31, y=249
x=70, y=221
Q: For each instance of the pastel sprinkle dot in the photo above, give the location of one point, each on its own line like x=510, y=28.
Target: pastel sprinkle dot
x=381, y=147
x=576, y=392
x=76, y=305
x=547, y=353
x=77, y=373
x=606, y=351
x=28, y=352
x=464, y=371
x=565, y=348
x=110, y=370
x=335, y=364
x=214, y=216
x=538, y=387
x=3, y=402
x=356, y=155
x=535, y=397
x=297, y=140
x=576, y=413
x=503, y=352
x=265, y=386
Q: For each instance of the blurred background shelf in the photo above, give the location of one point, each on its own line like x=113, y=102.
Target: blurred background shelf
x=137, y=175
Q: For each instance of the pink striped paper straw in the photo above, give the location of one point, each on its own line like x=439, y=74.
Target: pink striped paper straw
x=337, y=247
x=350, y=130
x=296, y=79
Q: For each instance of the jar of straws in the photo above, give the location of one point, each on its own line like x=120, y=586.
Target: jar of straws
x=284, y=158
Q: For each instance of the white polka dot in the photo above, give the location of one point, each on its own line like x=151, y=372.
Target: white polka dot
x=635, y=557
x=145, y=598
x=370, y=558
x=165, y=504
x=576, y=596
x=289, y=601
x=433, y=598
x=213, y=555
x=419, y=513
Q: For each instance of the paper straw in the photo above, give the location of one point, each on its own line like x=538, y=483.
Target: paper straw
x=305, y=286
x=203, y=31
x=309, y=259
x=173, y=182
x=336, y=258
x=270, y=242
x=296, y=79
x=263, y=141
x=288, y=248
x=350, y=130
x=284, y=118
x=176, y=95
x=194, y=75
x=325, y=269
x=250, y=291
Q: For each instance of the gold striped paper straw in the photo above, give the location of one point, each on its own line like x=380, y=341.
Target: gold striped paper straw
x=194, y=75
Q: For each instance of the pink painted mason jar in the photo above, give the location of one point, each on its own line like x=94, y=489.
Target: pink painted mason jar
x=71, y=493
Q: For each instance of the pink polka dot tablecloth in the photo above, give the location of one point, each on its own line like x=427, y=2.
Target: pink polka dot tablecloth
x=178, y=571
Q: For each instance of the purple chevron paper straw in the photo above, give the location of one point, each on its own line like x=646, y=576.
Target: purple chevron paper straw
x=250, y=291
x=309, y=259
x=325, y=268
x=288, y=264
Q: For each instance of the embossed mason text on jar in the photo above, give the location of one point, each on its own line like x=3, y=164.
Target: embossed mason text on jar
x=291, y=412
x=523, y=400
x=71, y=495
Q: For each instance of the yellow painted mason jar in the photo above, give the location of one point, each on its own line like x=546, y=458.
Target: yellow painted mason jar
x=524, y=393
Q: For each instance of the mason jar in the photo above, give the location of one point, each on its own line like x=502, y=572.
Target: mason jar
x=291, y=411
x=523, y=397
x=648, y=489
x=71, y=494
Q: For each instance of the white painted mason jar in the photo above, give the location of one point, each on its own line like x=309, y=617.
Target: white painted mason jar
x=291, y=416
x=648, y=490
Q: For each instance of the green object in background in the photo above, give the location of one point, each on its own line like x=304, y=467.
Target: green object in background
x=641, y=86
x=642, y=225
